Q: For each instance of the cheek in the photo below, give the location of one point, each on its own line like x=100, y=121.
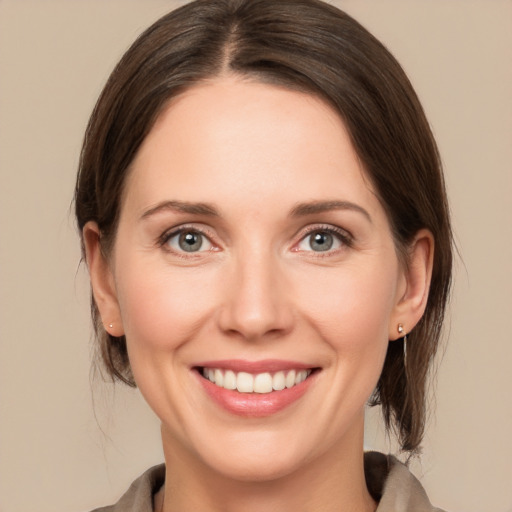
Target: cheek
x=160, y=308
x=351, y=306
x=351, y=312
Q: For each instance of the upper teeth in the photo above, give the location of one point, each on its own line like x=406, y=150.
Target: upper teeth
x=259, y=383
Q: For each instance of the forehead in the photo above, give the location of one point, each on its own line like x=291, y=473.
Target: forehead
x=231, y=138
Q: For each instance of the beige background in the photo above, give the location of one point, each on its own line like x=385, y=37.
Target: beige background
x=55, y=454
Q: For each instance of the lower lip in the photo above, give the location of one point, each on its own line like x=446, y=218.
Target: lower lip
x=254, y=405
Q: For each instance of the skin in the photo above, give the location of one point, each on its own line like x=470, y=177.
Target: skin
x=256, y=290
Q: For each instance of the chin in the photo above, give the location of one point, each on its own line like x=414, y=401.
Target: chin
x=256, y=456
x=258, y=468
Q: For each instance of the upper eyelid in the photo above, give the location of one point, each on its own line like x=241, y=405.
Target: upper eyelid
x=323, y=227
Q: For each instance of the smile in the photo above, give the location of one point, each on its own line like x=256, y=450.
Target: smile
x=245, y=382
x=255, y=389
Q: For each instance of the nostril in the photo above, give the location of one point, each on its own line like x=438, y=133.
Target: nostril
x=253, y=324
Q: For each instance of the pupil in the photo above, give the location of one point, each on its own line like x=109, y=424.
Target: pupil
x=321, y=241
x=190, y=242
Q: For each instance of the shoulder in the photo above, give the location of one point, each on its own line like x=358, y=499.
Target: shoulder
x=139, y=497
x=392, y=484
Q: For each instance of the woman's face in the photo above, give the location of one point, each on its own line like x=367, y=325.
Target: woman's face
x=252, y=249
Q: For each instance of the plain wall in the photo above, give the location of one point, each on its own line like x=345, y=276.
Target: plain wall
x=57, y=451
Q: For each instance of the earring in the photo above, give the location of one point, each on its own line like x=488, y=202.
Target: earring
x=111, y=325
x=400, y=329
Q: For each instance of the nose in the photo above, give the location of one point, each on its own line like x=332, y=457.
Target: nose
x=257, y=300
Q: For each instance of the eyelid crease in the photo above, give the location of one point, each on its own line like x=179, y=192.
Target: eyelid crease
x=326, y=227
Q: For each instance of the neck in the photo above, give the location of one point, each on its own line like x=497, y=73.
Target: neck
x=330, y=483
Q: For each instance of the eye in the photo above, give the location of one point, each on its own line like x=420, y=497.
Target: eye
x=188, y=240
x=323, y=240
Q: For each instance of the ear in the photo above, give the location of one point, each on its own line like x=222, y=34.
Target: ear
x=414, y=286
x=102, y=281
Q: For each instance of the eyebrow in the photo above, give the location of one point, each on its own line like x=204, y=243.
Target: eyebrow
x=182, y=207
x=300, y=210
x=314, y=207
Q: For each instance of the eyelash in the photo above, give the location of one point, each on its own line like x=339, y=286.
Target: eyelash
x=341, y=235
x=164, y=239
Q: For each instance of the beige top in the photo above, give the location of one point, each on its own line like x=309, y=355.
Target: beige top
x=389, y=481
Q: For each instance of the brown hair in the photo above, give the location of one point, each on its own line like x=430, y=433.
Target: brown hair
x=305, y=45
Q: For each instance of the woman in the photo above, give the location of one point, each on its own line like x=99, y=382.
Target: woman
x=264, y=220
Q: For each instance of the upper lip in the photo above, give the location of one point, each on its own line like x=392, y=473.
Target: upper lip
x=262, y=366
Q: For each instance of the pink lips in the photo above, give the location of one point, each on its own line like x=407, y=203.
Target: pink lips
x=254, y=404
